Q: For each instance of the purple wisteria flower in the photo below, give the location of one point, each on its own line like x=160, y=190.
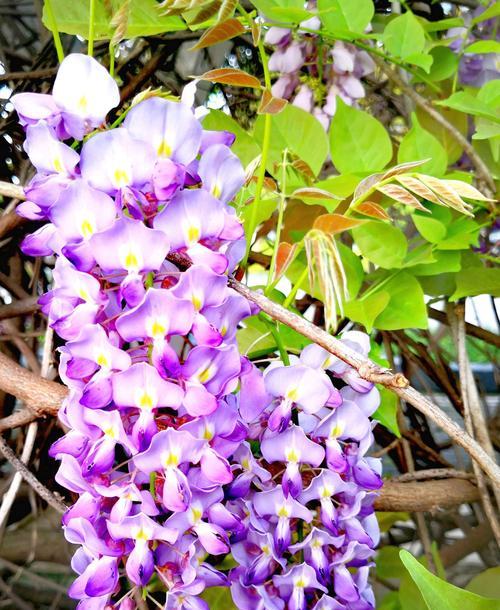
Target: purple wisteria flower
x=185, y=456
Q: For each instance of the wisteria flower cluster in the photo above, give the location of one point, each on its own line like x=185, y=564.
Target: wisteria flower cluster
x=192, y=468
x=313, y=74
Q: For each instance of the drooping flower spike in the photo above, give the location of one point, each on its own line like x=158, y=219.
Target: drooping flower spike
x=181, y=451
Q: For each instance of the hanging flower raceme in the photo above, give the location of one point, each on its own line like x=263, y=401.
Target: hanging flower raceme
x=311, y=74
x=181, y=452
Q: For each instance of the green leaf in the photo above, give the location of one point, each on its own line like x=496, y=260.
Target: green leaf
x=381, y=243
x=418, y=143
x=429, y=227
x=387, y=562
x=365, y=310
x=245, y=147
x=486, y=583
x=447, y=261
x=219, y=598
x=465, y=102
x=299, y=132
x=442, y=24
x=422, y=60
x=404, y=36
x=144, y=18
x=444, y=64
x=440, y=595
x=358, y=142
x=285, y=11
x=490, y=93
x=406, y=308
x=387, y=520
x=353, y=269
x=489, y=13
x=483, y=46
x=386, y=414
x=342, y=16
x=477, y=280
x=462, y=233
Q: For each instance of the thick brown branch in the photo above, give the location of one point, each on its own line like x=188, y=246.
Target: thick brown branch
x=40, y=395
x=19, y=308
x=13, y=191
x=428, y=496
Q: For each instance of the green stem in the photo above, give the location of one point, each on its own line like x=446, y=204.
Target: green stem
x=274, y=328
x=55, y=32
x=279, y=225
x=266, y=143
x=90, y=48
x=112, y=59
x=289, y=299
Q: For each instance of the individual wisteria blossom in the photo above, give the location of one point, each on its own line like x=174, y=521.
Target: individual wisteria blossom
x=183, y=456
x=312, y=74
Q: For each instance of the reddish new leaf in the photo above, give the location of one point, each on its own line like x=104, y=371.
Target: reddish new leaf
x=372, y=209
x=313, y=193
x=256, y=31
x=400, y=194
x=285, y=255
x=335, y=223
x=231, y=76
x=269, y=104
x=219, y=33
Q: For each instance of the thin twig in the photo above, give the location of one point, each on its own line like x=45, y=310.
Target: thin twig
x=7, y=189
x=458, y=331
x=470, y=329
x=30, y=478
x=14, y=598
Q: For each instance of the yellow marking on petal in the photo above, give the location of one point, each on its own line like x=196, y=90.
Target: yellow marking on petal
x=110, y=433
x=223, y=331
x=193, y=234
x=216, y=190
x=83, y=294
x=283, y=511
x=86, y=229
x=164, y=149
x=58, y=166
x=146, y=401
x=102, y=360
x=300, y=583
x=336, y=431
x=327, y=362
x=208, y=433
x=206, y=375
x=325, y=492
x=316, y=543
x=246, y=464
x=265, y=549
x=120, y=178
x=293, y=394
x=131, y=262
x=142, y=535
x=158, y=330
x=196, y=514
x=83, y=103
x=292, y=455
x=170, y=460
x=195, y=299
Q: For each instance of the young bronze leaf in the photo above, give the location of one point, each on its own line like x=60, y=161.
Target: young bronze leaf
x=231, y=76
x=286, y=254
x=120, y=21
x=402, y=168
x=372, y=209
x=225, y=30
x=269, y=104
x=366, y=184
x=466, y=190
x=256, y=32
x=303, y=168
x=227, y=9
x=176, y=7
x=419, y=188
x=251, y=168
x=402, y=195
x=206, y=11
x=335, y=223
x=327, y=272
x=313, y=193
x=446, y=194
